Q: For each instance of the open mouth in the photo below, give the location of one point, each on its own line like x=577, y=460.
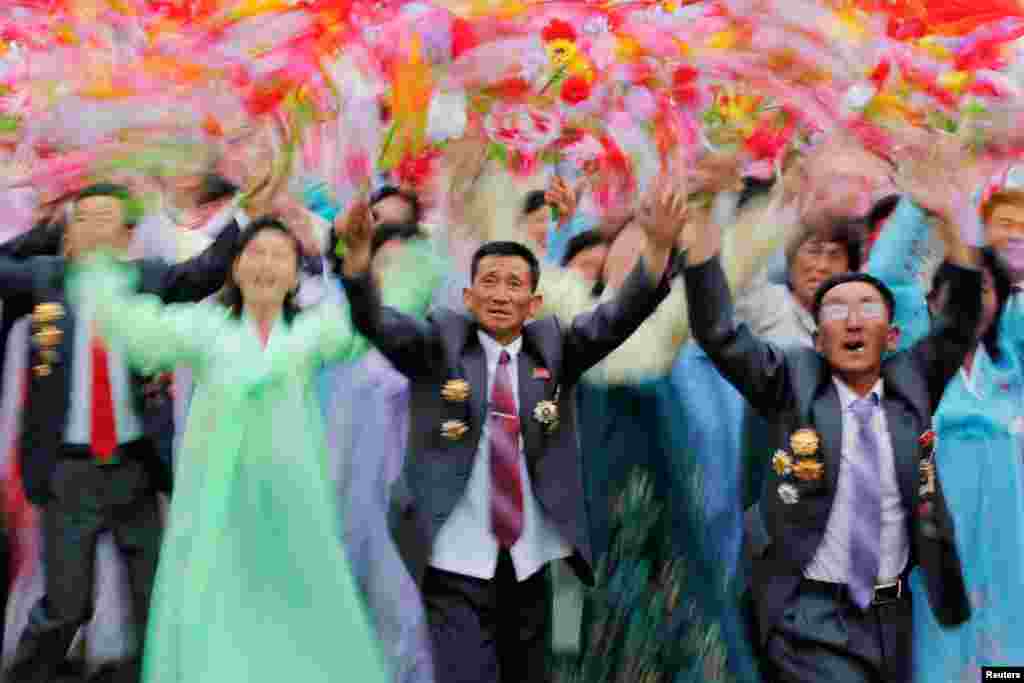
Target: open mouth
x=854, y=346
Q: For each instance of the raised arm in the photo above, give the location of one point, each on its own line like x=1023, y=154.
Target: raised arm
x=592, y=336
x=197, y=278
x=756, y=368
x=931, y=175
x=154, y=336
x=896, y=259
x=405, y=340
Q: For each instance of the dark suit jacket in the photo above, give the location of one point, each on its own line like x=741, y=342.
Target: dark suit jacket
x=793, y=389
x=446, y=347
x=27, y=283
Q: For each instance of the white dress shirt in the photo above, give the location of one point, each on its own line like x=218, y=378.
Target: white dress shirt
x=466, y=545
x=78, y=431
x=832, y=561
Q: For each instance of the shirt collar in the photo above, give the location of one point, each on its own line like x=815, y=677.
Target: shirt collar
x=847, y=395
x=493, y=349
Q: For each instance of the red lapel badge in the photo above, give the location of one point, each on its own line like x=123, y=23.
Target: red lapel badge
x=541, y=373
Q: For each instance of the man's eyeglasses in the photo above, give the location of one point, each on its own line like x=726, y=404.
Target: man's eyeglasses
x=872, y=310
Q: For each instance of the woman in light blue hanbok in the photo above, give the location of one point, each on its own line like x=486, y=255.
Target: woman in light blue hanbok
x=977, y=457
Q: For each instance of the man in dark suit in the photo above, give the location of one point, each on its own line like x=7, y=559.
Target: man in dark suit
x=843, y=515
x=491, y=491
x=88, y=445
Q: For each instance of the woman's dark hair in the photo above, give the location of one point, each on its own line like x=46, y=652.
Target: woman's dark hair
x=231, y=295
x=385, y=191
x=580, y=243
x=214, y=188
x=387, y=232
x=993, y=263
x=534, y=200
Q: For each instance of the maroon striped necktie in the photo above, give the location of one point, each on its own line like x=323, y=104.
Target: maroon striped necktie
x=506, y=487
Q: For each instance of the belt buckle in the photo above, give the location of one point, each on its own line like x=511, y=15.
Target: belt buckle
x=887, y=594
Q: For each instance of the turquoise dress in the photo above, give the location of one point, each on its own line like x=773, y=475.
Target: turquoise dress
x=253, y=585
x=978, y=459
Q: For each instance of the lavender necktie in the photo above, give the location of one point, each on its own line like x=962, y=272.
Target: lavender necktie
x=866, y=519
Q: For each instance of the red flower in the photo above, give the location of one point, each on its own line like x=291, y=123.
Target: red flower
x=570, y=136
x=415, y=171
x=558, y=29
x=575, y=89
x=684, y=85
x=927, y=440
x=512, y=89
x=881, y=73
x=463, y=37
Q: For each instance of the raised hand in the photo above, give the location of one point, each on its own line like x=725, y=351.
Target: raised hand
x=354, y=229
x=664, y=212
x=929, y=172
x=563, y=198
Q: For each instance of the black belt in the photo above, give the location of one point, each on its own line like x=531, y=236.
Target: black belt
x=885, y=593
x=137, y=450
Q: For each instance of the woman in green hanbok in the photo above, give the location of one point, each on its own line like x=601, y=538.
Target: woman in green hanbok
x=253, y=584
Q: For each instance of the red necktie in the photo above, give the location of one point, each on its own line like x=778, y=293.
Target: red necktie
x=506, y=487
x=103, y=439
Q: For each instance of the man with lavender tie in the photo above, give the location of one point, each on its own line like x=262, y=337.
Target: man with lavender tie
x=850, y=503
x=491, y=492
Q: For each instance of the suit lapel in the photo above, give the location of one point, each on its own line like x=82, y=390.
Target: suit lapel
x=828, y=420
x=902, y=435
x=473, y=363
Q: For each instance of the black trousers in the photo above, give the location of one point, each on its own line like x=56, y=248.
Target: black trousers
x=495, y=631
x=86, y=500
x=823, y=636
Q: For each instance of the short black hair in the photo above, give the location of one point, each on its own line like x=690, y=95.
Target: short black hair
x=842, y=279
x=131, y=207
x=753, y=187
x=580, y=243
x=502, y=248
x=214, y=188
x=385, y=191
x=387, y=232
x=534, y=200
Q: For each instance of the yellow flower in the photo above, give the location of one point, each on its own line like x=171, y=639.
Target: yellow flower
x=955, y=81
x=723, y=40
x=627, y=49
x=561, y=52
x=934, y=48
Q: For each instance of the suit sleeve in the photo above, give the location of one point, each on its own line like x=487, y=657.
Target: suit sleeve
x=197, y=278
x=16, y=278
x=755, y=367
x=592, y=336
x=44, y=239
x=153, y=336
x=939, y=355
x=405, y=340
